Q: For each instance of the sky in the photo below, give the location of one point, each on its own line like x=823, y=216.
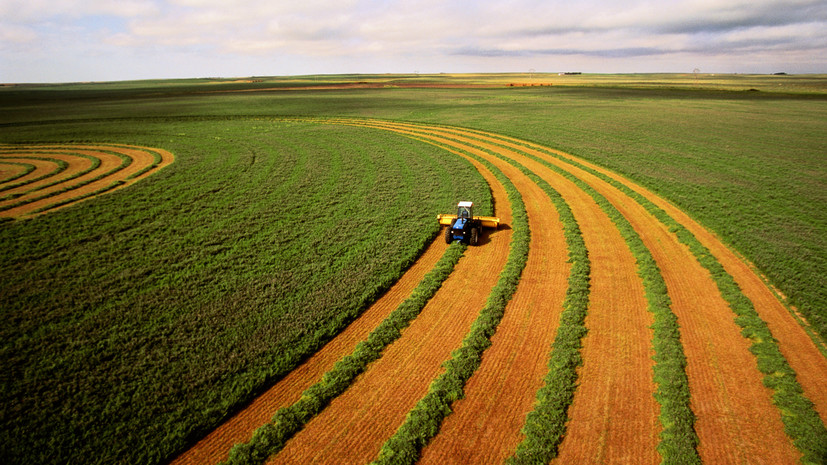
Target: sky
x=107, y=40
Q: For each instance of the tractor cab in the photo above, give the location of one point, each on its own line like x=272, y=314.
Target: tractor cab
x=465, y=210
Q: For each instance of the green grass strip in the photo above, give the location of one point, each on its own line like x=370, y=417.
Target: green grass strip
x=287, y=421
x=156, y=160
x=545, y=426
x=423, y=421
x=801, y=422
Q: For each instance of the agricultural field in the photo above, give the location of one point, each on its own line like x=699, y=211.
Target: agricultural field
x=250, y=270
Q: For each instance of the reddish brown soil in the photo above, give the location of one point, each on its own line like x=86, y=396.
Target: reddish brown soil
x=736, y=420
x=216, y=446
x=614, y=414
x=41, y=168
x=109, y=163
x=356, y=424
x=800, y=350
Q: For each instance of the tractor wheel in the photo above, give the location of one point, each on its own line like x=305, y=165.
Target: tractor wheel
x=448, y=235
x=475, y=236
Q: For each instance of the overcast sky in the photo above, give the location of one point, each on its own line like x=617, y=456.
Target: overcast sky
x=106, y=40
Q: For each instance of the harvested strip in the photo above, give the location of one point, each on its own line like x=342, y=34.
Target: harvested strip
x=627, y=368
x=91, y=170
x=801, y=352
x=547, y=422
x=11, y=170
x=287, y=421
x=43, y=168
x=735, y=416
x=617, y=363
x=802, y=422
x=77, y=166
x=356, y=424
x=239, y=429
x=485, y=425
x=423, y=422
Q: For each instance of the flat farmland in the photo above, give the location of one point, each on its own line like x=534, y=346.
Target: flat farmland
x=270, y=285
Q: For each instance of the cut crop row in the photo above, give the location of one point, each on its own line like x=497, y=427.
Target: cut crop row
x=801, y=421
x=270, y=438
x=423, y=422
x=73, y=188
x=546, y=426
x=95, y=164
x=9, y=184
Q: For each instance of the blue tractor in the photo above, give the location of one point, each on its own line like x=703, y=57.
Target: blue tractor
x=464, y=226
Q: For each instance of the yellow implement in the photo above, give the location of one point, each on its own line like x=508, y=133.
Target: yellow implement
x=487, y=221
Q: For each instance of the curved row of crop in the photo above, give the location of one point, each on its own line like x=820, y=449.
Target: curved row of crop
x=69, y=190
x=545, y=426
x=95, y=164
x=28, y=168
x=802, y=423
x=422, y=423
x=679, y=438
x=271, y=437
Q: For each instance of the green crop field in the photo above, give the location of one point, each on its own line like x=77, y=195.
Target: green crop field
x=134, y=322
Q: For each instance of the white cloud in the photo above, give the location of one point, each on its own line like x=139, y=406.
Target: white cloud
x=401, y=35
x=41, y=10
x=14, y=34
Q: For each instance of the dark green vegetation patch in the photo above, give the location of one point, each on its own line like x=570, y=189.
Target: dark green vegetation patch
x=136, y=322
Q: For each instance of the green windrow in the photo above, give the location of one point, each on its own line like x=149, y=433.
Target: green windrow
x=801, y=421
x=545, y=426
x=423, y=422
x=287, y=421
